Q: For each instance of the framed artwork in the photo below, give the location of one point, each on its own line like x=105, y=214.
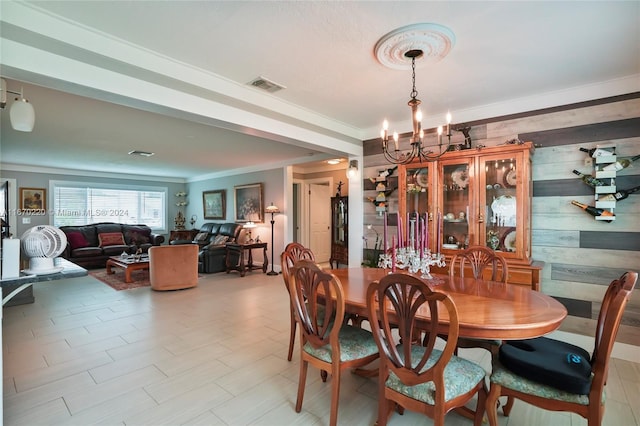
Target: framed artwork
x=33, y=199
x=248, y=203
x=214, y=204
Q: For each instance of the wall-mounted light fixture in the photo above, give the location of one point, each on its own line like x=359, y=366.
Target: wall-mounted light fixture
x=352, y=171
x=21, y=112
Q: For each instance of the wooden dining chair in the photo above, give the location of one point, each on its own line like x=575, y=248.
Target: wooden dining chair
x=413, y=376
x=291, y=254
x=559, y=376
x=478, y=259
x=327, y=342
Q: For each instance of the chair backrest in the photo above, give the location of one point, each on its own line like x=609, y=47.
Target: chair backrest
x=393, y=302
x=291, y=254
x=613, y=305
x=478, y=258
x=309, y=288
x=173, y=267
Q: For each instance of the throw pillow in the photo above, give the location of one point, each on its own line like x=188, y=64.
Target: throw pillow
x=77, y=240
x=201, y=236
x=219, y=240
x=110, y=239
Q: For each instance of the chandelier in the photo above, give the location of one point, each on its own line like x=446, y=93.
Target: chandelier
x=394, y=50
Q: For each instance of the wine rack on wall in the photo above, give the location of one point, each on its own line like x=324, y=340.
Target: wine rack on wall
x=604, y=194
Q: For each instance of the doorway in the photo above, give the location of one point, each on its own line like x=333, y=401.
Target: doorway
x=312, y=215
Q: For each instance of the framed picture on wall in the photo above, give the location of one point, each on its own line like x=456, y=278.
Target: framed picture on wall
x=33, y=199
x=214, y=204
x=248, y=203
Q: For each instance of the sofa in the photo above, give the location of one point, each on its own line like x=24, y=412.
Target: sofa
x=91, y=245
x=212, y=239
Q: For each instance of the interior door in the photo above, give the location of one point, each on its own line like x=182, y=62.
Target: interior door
x=320, y=221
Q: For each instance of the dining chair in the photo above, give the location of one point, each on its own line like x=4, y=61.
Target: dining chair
x=327, y=342
x=478, y=259
x=413, y=376
x=559, y=376
x=291, y=254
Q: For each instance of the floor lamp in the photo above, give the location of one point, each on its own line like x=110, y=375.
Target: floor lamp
x=273, y=210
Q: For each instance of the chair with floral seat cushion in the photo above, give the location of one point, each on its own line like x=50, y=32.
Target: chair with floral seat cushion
x=540, y=376
x=291, y=254
x=413, y=376
x=327, y=342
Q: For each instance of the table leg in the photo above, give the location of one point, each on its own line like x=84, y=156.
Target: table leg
x=127, y=275
x=109, y=271
x=242, y=264
x=250, y=260
x=266, y=260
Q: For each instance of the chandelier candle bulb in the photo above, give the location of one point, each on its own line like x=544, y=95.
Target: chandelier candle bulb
x=396, y=140
x=448, y=123
x=439, y=134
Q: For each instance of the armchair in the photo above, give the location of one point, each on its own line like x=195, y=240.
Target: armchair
x=212, y=256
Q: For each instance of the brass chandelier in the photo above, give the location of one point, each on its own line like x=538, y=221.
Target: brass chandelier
x=428, y=42
x=418, y=150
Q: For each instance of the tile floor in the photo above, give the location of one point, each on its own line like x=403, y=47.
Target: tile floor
x=213, y=355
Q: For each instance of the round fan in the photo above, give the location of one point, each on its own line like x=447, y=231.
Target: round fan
x=42, y=244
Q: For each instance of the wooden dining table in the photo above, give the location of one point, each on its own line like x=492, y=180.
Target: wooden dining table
x=486, y=309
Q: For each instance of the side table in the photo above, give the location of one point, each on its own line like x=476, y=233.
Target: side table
x=240, y=250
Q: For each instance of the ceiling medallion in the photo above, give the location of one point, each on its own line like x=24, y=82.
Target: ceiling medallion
x=434, y=40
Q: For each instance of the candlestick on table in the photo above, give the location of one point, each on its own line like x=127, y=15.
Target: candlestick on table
x=384, y=233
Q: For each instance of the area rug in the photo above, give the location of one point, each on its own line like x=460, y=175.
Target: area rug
x=116, y=281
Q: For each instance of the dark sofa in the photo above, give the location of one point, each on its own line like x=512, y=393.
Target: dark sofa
x=91, y=245
x=212, y=240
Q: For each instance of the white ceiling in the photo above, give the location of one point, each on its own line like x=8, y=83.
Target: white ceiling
x=508, y=57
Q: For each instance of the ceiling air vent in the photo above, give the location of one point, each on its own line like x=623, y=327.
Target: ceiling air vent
x=266, y=84
x=141, y=153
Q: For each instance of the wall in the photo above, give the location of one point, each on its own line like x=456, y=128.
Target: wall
x=581, y=255
x=272, y=184
x=27, y=179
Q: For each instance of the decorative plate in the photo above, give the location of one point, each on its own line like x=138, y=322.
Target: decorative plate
x=510, y=178
x=504, y=210
x=421, y=178
x=509, y=240
x=460, y=177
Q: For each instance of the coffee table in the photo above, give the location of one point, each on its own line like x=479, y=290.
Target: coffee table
x=128, y=264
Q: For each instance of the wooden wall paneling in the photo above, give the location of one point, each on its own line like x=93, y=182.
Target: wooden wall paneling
x=585, y=133
x=629, y=241
x=555, y=238
x=585, y=273
x=586, y=291
x=581, y=114
x=627, y=261
x=581, y=220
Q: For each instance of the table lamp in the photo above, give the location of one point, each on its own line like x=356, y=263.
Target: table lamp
x=249, y=226
x=273, y=210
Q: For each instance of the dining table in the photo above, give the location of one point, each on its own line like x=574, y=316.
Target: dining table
x=486, y=309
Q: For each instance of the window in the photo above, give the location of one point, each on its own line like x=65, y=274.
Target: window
x=79, y=203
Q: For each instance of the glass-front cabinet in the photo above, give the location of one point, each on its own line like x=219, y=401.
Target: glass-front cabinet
x=339, y=231
x=476, y=197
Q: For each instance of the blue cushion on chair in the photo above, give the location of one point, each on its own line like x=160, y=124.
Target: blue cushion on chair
x=550, y=362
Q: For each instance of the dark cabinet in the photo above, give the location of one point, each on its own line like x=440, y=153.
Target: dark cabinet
x=339, y=231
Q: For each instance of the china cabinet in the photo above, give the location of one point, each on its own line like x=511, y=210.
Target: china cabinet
x=476, y=197
x=339, y=231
